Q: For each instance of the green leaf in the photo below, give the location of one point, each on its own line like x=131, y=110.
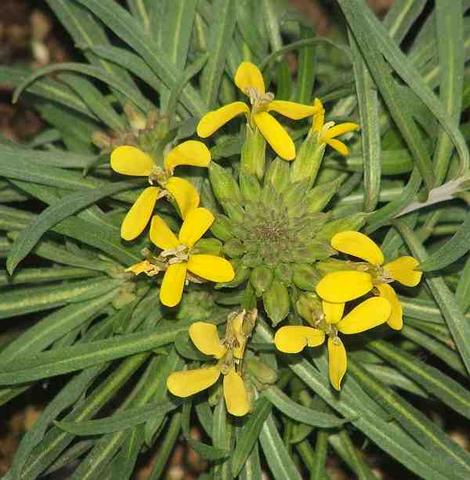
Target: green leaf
x=53, y=215
x=451, y=251
x=121, y=420
x=450, y=43
x=318, y=471
x=126, y=89
x=430, y=378
x=44, y=275
x=21, y=300
x=455, y=319
x=249, y=434
x=278, y=458
x=428, y=434
x=129, y=30
x=308, y=416
x=77, y=357
x=54, y=326
x=368, y=103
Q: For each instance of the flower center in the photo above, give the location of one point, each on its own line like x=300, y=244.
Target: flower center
x=179, y=254
x=158, y=175
x=258, y=100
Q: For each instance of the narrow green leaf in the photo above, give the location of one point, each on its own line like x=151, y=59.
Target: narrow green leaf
x=430, y=378
x=429, y=435
x=249, y=434
x=52, y=216
x=308, y=416
x=77, y=357
x=451, y=251
x=318, y=471
x=368, y=103
x=455, y=319
x=44, y=275
x=121, y=420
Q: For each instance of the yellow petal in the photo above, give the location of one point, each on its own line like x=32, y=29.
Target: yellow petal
x=359, y=245
x=139, y=215
x=319, y=119
x=235, y=394
x=368, y=314
x=140, y=267
x=195, y=225
x=161, y=235
x=172, y=287
x=345, y=285
x=249, y=76
x=206, y=339
x=395, y=320
x=212, y=121
x=184, y=193
x=192, y=153
x=210, y=267
x=333, y=311
x=293, y=110
x=339, y=146
x=275, y=135
x=129, y=160
x=337, y=361
x=403, y=270
x=340, y=130
x=293, y=339
x=189, y=382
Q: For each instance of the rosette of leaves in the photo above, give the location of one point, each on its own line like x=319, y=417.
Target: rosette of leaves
x=97, y=342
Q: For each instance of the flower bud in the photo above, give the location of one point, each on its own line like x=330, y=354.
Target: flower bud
x=319, y=196
x=253, y=153
x=305, y=277
x=261, y=278
x=222, y=228
x=276, y=302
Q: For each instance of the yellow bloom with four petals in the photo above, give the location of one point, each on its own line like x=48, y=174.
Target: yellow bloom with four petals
x=130, y=160
x=345, y=285
x=368, y=314
x=327, y=132
x=228, y=353
x=177, y=251
x=249, y=80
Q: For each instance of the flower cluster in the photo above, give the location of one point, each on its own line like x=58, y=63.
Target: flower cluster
x=229, y=354
x=275, y=233
x=324, y=311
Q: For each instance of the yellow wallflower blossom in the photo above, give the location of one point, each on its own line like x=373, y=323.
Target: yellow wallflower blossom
x=177, y=252
x=229, y=353
x=342, y=286
x=369, y=314
x=250, y=81
x=129, y=160
x=327, y=132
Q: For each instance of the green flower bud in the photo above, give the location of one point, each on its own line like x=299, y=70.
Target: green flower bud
x=222, y=228
x=283, y=272
x=253, y=154
x=211, y=246
x=319, y=196
x=260, y=371
x=276, y=302
x=308, y=160
x=224, y=185
x=309, y=306
x=305, y=276
x=234, y=248
x=250, y=187
x=261, y=278
x=278, y=174
x=234, y=211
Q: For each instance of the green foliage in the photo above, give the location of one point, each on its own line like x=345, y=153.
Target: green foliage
x=151, y=69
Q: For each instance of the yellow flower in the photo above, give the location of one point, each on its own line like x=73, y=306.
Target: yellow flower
x=327, y=132
x=180, y=259
x=342, y=286
x=129, y=160
x=228, y=353
x=250, y=81
x=368, y=314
